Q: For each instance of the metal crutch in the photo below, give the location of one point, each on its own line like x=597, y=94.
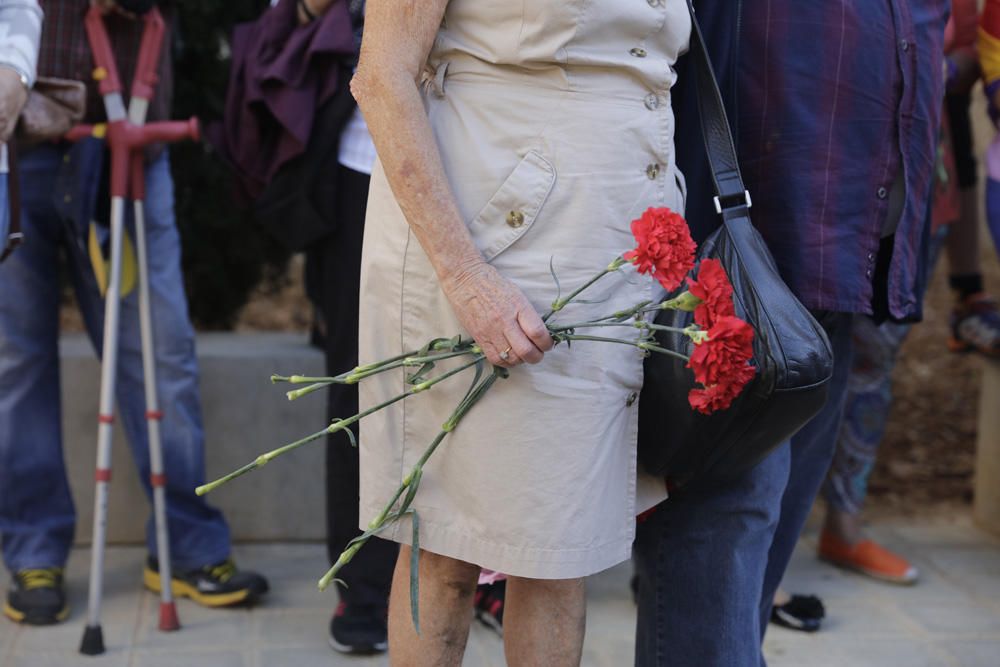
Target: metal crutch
x=127, y=135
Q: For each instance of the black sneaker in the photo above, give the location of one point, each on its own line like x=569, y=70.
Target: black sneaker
x=489, y=603
x=218, y=585
x=358, y=630
x=37, y=597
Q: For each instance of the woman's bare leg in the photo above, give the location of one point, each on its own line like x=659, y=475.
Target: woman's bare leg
x=446, y=590
x=544, y=622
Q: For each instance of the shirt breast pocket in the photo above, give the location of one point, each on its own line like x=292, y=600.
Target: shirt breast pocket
x=514, y=207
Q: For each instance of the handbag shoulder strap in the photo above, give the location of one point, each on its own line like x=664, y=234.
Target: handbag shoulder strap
x=729, y=189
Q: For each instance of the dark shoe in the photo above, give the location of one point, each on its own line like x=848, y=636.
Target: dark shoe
x=358, y=630
x=218, y=585
x=975, y=326
x=802, y=612
x=37, y=597
x=489, y=603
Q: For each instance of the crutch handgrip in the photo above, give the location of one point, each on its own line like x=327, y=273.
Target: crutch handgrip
x=171, y=131
x=145, y=80
x=105, y=72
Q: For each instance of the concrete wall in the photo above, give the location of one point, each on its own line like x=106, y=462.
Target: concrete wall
x=987, y=494
x=244, y=414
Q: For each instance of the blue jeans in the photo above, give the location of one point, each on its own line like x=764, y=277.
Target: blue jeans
x=709, y=560
x=37, y=516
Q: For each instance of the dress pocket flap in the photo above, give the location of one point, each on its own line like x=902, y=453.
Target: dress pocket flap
x=512, y=210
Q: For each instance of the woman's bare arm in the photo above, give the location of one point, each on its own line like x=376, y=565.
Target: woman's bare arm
x=398, y=37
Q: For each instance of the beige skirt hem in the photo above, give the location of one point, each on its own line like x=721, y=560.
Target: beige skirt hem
x=532, y=563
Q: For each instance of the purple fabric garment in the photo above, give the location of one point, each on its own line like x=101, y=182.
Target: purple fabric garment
x=837, y=99
x=281, y=74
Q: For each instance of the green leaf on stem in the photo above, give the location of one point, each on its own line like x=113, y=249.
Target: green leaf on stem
x=415, y=573
x=349, y=432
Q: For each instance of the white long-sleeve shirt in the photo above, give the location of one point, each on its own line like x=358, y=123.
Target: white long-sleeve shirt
x=20, y=36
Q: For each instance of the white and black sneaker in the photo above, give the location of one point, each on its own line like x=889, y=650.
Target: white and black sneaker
x=217, y=585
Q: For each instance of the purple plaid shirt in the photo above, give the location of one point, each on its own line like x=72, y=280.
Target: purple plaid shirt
x=838, y=100
x=65, y=53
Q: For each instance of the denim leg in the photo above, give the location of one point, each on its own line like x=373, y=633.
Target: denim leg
x=36, y=510
x=866, y=411
x=811, y=452
x=700, y=560
x=198, y=532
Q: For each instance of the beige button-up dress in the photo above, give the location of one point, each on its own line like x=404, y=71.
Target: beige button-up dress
x=554, y=123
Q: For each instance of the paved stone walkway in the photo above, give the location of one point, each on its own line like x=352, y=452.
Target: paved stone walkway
x=951, y=619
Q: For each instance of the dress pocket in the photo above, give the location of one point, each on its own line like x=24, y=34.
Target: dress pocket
x=513, y=209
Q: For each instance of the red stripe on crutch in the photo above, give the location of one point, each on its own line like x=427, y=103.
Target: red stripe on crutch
x=157, y=480
x=154, y=415
x=106, y=419
x=103, y=475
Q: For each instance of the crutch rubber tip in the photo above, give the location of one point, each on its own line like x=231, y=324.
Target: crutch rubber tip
x=93, y=641
x=168, y=617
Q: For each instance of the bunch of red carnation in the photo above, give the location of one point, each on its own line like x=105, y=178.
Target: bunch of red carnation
x=720, y=359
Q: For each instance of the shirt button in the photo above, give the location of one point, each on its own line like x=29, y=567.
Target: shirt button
x=905, y=45
x=882, y=193
x=652, y=102
x=631, y=399
x=654, y=3
x=638, y=53
x=652, y=171
x=515, y=219
x=868, y=273
x=871, y=257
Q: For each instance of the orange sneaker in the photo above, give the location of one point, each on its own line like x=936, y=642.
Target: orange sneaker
x=868, y=558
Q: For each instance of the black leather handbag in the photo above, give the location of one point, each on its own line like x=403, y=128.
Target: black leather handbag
x=791, y=351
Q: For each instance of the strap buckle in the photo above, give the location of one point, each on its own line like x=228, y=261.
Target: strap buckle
x=746, y=201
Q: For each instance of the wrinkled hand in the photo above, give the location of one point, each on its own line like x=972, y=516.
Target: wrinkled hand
x=498, y=316
x=13, y=95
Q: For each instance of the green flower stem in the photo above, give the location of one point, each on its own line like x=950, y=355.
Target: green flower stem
x=590, y=325
x=433, y=358
x=684, y=301
x=468, y=347
x=299, y=393
x=559, y=304
x=649, y=347
x=642, y=345
x=387, y=515
x=340, y=379
x=266, y=458
x=379, y=364
x=691, y=332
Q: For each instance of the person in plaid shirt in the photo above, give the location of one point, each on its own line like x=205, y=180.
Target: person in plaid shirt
x=835, y=108
x=36, y=511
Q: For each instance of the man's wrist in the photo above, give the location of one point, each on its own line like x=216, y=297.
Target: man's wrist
x=21, y=74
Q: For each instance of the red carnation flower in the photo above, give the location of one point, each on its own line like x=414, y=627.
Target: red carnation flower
x=714, y=290
x=721, y=365
x=717, y=397
x=665, y=248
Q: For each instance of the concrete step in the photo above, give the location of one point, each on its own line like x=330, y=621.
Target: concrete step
x=245, y=415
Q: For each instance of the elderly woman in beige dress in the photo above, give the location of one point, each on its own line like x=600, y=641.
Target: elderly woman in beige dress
x=510, y=135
